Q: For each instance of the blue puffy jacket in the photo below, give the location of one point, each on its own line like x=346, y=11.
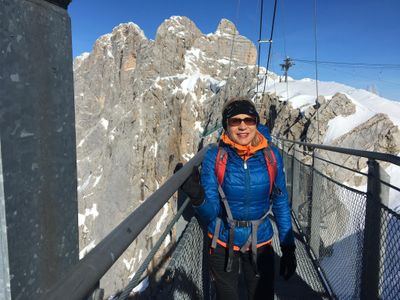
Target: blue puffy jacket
x=247, y=192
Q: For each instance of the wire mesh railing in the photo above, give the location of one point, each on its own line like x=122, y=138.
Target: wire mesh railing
x=187, y=276
x=339, y=232
x=352, y=234
x=389, y=255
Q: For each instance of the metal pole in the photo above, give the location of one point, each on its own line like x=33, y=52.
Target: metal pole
x=315, y=214
x=370, y=265
x=38, y=148
x=292, y=174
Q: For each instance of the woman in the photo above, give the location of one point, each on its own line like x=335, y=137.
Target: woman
x=234, y=203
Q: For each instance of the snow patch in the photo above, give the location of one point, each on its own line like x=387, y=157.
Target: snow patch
x=301, y=102
x=197, y=126
x=97, y=180
x=344, y=124
x=129, y=265
x=154, y=149
x=195, y=52
x=143, y=285
x=161, y=220
x=83, y=56
x=80, y=143
x=85, y=184
x=223, y=61
x=109, y=54
x=189, y=84
x=104, y=123
x=167, y=241
x=88, y=212
x=87, y=249
x=394, y=196
x=187, y=156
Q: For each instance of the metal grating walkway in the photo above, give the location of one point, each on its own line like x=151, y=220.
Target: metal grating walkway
x=186, y=276
x=305, y=284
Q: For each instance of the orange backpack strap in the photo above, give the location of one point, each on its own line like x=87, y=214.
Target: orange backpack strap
x=220, y=164
x=270, y=159
x=222, y=158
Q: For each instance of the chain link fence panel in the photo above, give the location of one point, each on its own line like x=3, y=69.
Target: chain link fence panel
x=340, y=234
x=301, y=195
x=331, y=217
x=389, y=261
x=187, y=275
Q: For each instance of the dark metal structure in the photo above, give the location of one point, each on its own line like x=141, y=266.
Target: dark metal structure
x=38, y=178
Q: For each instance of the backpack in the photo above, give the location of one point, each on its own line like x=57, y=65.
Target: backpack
x=220, y=167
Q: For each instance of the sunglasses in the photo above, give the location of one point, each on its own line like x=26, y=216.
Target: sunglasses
x=237, y=121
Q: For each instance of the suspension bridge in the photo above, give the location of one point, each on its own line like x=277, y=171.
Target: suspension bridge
x=347, y=240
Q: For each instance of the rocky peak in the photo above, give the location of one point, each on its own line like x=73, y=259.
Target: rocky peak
x=226, y=27
x=179, y=28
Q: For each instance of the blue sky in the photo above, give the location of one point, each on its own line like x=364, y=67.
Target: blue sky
x=349, y=31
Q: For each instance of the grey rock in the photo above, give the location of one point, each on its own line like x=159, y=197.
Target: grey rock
x=377, y=134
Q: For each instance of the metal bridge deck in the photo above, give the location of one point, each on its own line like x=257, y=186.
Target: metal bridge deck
x=185, y=267
x=305, y=284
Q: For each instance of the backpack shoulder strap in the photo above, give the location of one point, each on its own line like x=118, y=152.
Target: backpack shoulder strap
x=270, y=159
x=220, y=164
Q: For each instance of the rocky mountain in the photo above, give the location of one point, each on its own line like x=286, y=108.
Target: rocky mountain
x=142, y=106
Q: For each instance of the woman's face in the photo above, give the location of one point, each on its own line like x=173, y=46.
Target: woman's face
x=244, y=132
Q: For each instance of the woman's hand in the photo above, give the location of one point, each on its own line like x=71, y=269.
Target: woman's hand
x=288, y=261
x=192, y=186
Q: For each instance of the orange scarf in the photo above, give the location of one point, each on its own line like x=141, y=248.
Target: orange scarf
x=246, y=151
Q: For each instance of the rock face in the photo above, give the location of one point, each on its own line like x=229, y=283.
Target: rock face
x=141, y=107
x=305, y=125
x=377, y=133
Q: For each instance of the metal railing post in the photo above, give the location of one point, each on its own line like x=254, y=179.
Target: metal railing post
x=292, y=176
x=315, y=214
x=370, y=265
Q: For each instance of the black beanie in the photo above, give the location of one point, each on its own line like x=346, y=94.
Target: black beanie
x=238, y=107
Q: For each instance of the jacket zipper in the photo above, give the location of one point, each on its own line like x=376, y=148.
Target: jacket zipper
x=247, y=184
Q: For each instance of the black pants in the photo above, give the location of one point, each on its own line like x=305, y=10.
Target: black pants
x=229, y=284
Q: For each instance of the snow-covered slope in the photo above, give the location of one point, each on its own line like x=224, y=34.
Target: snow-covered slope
x=301, y=94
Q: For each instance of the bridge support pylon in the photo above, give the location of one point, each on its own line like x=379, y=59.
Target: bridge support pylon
x=38, y=186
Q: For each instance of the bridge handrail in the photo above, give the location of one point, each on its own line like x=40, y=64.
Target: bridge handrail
x=362, y=153
x=82, y=278
x=370, y=274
